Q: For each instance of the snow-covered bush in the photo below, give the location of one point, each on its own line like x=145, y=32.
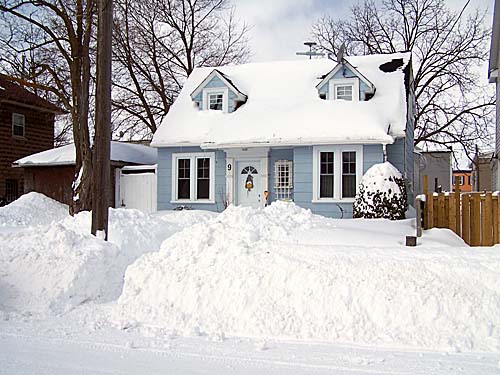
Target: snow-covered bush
x=382, y=194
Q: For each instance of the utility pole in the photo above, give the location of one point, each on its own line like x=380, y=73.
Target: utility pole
x=101, y=156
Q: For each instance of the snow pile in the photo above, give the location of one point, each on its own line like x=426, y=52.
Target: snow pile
x=136, y=232
x=53, y=268
x=246, y=273
x=32, y=209
x=49, y=261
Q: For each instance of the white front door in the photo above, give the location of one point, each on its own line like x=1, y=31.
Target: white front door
x=248, y=183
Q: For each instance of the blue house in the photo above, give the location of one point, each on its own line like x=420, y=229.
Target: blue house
x=304, y=131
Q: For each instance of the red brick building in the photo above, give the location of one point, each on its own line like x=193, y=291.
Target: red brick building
x=26, y=127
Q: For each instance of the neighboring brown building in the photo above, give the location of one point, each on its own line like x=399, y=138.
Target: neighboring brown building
x=465, y=179
x=51, y=172
x=26, y=127
x=482, y=172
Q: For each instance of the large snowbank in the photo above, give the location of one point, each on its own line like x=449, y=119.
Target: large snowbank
x=54, y=269
x=32, y=209
x=283, y=107
x=49, y=261
x=257, y=273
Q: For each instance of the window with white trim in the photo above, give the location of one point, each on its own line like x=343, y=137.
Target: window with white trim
x=215, y=101
x=337, y=171
x=283, y=179
x=343, y=92
x=348, y=174
x=344, y=89
x=326, y=174
x=193, y=177
x=18, y=124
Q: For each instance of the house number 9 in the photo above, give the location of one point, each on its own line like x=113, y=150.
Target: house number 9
x=229, y=167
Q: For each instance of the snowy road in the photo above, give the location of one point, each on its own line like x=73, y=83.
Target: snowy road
x=109, y=351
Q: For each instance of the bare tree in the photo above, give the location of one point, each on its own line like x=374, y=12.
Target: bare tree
x=158, y=43
x=57, y=36
x=448, y=47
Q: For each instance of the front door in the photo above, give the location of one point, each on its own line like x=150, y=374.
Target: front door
x=248, y=183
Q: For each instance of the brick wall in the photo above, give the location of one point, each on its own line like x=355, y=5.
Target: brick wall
x=38, y=136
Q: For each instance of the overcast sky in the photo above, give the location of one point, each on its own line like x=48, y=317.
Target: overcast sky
x=279, y=27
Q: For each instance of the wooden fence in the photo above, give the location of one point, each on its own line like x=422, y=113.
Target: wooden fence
x=472, y=216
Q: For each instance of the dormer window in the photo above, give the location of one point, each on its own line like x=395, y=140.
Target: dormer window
x=344, y=89
x=343, y=92
x=218, y=93
x=215, y=101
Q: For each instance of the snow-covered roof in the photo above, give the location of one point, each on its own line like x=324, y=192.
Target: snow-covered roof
x=283, y=107
x=65, y=155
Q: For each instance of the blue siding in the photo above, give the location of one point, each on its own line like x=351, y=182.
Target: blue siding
x=396, y=154
x=302, y=158
x=303, y=186
x=348, y=73
x=216, y=82
x=164, y=175
x=276, y=154
x=372, y=154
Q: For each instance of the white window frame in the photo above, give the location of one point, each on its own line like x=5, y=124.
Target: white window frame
x=21, y=116
x=193, y=177
x=334, y=82
x=337, y=171
x=216, y=90
x=283, y=168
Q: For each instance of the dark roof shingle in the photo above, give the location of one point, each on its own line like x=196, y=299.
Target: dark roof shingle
x=13, y=92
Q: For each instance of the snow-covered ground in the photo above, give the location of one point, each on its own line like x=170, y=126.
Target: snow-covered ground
x=278, y=290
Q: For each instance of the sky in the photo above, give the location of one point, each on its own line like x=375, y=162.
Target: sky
x=280, y=27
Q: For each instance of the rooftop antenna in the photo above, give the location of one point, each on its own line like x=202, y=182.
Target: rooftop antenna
x=310, y=53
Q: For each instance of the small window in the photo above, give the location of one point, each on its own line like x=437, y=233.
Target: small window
x=326, y=175
x=215, y=101
x=283, y=179
x=249, y=170
x=348, y=174
x=18, y=124
x=11, y=190
x=183, y=178
x=462, y=180
x=203, y=178
x=343, y=92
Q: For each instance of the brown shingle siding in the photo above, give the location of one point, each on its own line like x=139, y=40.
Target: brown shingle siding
x=38, y=136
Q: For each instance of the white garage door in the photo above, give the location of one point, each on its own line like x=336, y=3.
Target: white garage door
x=138, y=190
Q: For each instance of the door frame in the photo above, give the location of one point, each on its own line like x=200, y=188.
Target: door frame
x=235, y=155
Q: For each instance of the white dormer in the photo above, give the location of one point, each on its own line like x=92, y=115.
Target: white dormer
x=345, y=82
x=218, y=93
